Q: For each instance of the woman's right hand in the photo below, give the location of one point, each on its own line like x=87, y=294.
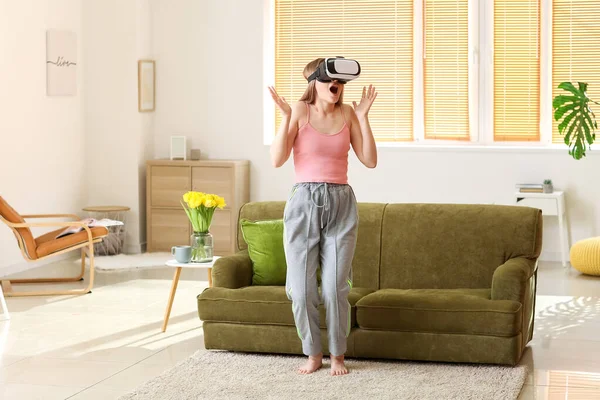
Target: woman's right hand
x=281, y=103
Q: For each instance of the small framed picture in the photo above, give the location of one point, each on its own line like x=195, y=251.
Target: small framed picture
x=146, y=85
x=178, y=148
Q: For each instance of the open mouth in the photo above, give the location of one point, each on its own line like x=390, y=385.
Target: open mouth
x=334, y=89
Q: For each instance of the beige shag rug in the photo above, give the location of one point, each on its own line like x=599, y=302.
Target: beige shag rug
x=226, y=375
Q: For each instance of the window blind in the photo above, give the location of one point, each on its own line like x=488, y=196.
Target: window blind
x=516, y=70
x=377, y=33
x=446, y=69
x=575, y=49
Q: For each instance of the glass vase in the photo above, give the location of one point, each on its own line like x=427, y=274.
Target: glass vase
x=202, y=247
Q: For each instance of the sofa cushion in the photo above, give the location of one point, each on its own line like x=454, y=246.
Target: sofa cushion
x=258, y=305
x=462, y=311
x=265, y=247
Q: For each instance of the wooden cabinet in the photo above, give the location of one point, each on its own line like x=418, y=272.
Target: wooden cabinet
x=167, y=228
x=168, y=185
x=167, y=181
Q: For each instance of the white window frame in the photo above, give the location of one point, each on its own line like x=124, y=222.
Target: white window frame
x=487, y=82
x=546, y=112
x=481, y=73
x=268, y=71
x=419, y=76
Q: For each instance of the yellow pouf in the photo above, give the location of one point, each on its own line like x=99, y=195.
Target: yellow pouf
x=585, y=256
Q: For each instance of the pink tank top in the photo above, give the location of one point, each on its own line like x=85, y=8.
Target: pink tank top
x=320, y=157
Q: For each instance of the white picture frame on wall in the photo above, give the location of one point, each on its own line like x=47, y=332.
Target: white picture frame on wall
x=146, y=85
x=61, y=63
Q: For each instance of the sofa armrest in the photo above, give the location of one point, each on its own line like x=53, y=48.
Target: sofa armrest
x=233, y=272
x=510, y=279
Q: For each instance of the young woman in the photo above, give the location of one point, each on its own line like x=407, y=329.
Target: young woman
x=320, y=217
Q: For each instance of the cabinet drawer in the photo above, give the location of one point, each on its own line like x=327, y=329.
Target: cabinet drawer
x=214, y=180
x=169, y=228
x=169, y=185
x=221, y=230
x=548, y=206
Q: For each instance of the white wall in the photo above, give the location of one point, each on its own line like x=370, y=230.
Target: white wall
x=210, y=88
x=119, y=138
x=60, y=154
x=42, y=138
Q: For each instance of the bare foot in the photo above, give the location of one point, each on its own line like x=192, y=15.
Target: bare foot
x=337, y=366
x=312, y=364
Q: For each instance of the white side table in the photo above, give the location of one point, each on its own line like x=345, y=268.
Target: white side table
x=550, y=204
x=178, y=267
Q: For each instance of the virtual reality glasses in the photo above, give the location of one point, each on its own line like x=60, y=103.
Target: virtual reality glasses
x=338, y=69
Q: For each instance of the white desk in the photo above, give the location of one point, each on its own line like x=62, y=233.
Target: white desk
x=178, y=266
x=550, y=204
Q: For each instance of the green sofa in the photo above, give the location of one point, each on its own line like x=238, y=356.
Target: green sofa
x=432, y=282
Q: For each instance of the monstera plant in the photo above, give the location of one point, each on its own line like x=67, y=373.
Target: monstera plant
x=577, y=120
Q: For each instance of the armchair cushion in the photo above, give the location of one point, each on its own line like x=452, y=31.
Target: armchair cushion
x=11, y=215
x=48, y=244
x=460, y=311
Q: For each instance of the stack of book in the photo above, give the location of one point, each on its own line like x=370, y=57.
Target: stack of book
x=530, y=188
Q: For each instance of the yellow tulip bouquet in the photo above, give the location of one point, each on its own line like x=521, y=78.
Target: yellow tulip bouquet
x=200, y=208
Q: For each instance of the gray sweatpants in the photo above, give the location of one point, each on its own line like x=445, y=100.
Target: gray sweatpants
x=320, y=228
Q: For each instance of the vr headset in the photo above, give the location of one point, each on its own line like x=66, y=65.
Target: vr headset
x=338, y=68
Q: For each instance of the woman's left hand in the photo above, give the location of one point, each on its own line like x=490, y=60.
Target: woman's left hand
x=368, y=97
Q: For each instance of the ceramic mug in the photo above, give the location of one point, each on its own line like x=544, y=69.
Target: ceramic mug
x=183, y=254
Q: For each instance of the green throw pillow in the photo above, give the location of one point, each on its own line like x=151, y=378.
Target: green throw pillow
x=265, y=246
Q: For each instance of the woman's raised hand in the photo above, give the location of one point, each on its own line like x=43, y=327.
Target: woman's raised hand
x=280, y=102
x=366, y=101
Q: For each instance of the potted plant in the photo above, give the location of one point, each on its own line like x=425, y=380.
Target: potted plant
x=548, y=188
x=578, y=121
x=200, y=208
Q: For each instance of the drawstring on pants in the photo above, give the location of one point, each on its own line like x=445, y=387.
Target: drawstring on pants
x=325, y=206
